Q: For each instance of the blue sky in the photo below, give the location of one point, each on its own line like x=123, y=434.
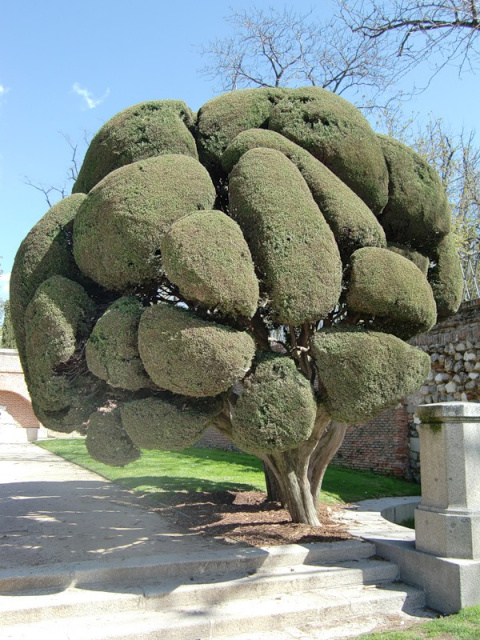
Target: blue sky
x=69, y=67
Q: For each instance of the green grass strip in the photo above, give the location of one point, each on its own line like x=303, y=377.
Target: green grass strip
x=464, y=625
x=216, y=470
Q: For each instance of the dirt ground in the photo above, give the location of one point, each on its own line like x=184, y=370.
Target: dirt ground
x=245, y=517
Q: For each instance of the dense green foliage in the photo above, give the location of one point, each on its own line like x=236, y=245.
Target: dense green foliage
x=446, y=277
x=8, y=336
x=392, y=290
x=358, y=386
x=143, y=131
x=265, y=187
x=417, y=213
x=206, y=256
x=190, y=347
x=45, y=252
x=352, y=222
x=112, y=348
x=119, y=248
x=277, y=408
x=231, y=268
x=337, y=134
x=168, y=421
x=107, y=441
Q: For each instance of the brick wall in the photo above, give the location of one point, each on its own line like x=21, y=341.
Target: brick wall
x=379, y=445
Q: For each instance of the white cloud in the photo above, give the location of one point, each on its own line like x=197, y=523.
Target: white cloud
x=90, y=101
x=5, y=284
x=3, y=90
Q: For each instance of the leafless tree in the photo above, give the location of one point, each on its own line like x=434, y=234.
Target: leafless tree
x=283, y=48
x=456, y=157
x=417, y=30
x=54, y=193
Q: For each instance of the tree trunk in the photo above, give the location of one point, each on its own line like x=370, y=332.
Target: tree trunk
x=327, y=446
x=294, y=477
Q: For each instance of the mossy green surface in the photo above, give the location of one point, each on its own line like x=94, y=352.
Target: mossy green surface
x=119, y=227
x=222, y=118
x=276, y=410
x=86, y=394
x=57, y=319
x=145, y=130
x=46, y=251
x=392, y=290
x=446, y=277
x=365, y=372
x=190, y=356
x=168, y=422
x=417, y=213
x=337, y=134
x=353, y=224
x=107, y=440
x=418, y=259
x=8, y=337
x=112, y=348
x=207, y=257
x=293, y=247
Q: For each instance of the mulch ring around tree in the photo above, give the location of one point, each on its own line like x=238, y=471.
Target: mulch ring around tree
x=245, y=517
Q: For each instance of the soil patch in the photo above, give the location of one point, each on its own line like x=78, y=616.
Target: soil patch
x=245, y=517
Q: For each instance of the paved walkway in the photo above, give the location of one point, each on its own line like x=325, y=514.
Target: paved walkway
x=52, y=511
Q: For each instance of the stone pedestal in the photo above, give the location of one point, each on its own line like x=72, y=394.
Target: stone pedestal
x=447, y=521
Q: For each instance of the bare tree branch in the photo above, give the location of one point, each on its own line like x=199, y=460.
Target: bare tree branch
x=283, y=48
x=54, y=193
x=416, y=29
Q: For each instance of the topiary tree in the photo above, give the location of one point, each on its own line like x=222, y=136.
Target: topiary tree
x=8, y=337
x=257, y=267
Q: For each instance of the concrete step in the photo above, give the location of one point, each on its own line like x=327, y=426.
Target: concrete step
x=228, y=617
x=199, y=590
x=146, y=569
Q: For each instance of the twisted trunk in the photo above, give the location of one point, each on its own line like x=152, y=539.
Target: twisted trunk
x=294, y=477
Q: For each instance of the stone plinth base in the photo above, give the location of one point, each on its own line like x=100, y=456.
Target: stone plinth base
x=448, y=534
x=450, y=584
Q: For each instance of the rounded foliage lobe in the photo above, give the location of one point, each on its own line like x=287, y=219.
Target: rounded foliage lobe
x=45, y=252
x=168, y=422
x=365, y=372
x=119, y=227
x=107, y=440
x=57, y=321
x=112, y=348
x=337, y=134
x=276, y=411
x=190, y=356
x=392, y=290
x=417, y=213
x=353, y=224
x=143, y=131
x=206, y=256
x=446, y=277
x=287, y=236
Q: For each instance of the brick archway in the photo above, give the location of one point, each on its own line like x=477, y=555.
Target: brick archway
x=18, y=423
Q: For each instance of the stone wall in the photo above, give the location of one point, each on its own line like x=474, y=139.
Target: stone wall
x=454, y=349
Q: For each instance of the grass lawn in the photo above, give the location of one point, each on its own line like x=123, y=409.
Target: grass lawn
x=216, y=470
x=462, y=626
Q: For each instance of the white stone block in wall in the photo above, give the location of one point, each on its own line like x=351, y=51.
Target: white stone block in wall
x=451, y=387
x=469, y=356
x=415, y=445
x=461, y=346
